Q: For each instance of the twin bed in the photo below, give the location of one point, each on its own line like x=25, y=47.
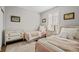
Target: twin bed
x=56, y=44
x=35, y=35
x=66, y=41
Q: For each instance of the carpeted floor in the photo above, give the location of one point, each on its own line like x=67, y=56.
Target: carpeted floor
x=21, y=47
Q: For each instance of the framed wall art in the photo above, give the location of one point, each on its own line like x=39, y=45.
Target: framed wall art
x=2, y=10
x=44, y=20
x=69, y=16
x=15, y=19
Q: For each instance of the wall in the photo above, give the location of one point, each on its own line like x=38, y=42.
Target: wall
x=1, y=26
x=29, y=20
x=61, y=10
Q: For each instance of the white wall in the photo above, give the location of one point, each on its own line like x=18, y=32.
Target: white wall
x=1, y=27
x=61, y=11
x=29, y=20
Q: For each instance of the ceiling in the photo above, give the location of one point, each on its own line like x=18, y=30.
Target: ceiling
x=37, y=9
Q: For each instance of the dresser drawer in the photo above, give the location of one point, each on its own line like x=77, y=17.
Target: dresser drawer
x=12, y=38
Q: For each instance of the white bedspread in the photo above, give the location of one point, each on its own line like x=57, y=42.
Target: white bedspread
x=32, y=35
x=60, y=44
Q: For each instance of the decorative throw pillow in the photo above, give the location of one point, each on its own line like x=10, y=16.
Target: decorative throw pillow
x=77, y=35
x=69, y=33
x=63, y=35
x=74, y=34
x=70, y=37
x=42, y=28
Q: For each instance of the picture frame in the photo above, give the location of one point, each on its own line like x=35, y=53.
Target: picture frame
x=69, y=16
x=2, y=10
x=15, y=19
x=44, y=20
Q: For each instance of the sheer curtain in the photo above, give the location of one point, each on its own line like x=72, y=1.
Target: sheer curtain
x=56, y=22
x=50, y=25
x=53, y=22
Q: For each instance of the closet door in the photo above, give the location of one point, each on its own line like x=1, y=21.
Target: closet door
x=1, y=26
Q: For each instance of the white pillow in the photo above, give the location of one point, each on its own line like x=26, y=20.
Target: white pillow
x=77, y=35
x=42, y=28
x=74, y=33
x=68, y=33
x=70, y=37
x=63, y=35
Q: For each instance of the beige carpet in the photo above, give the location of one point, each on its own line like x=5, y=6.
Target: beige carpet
x=21, y=47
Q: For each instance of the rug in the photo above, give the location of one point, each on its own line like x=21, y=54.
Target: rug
x=21, y=47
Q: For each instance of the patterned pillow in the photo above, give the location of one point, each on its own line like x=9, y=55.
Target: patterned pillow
x=63, y=35
x=77, y=35
x=68, y=33
x=33, y=34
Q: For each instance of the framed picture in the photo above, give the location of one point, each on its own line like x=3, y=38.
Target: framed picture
x=69, y=16
x=44, y=20
x=2, y=10
x=15, y=19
